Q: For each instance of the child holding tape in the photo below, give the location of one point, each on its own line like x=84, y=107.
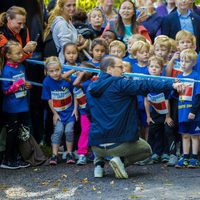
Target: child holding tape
x=15, y=103
x=189, y=111
x=59, y=94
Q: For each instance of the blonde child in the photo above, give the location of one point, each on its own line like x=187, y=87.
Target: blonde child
x=117, y=48
x=189, y=111
x=173, y=49
x=185, y=40
x=96, y=20
x=161, y=136
x=59, y=94
x=15, y=103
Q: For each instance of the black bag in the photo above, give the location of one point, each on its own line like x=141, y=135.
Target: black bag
x=49, y=46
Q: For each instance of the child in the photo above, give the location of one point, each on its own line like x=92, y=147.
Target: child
x=81, y=83
x=98, y=49
x=96, y=20
x=173, y=49
x=70, y=51
x=185, y=40
x=189, y=111
x=140, y=50
x=134, y=38
x=109, y=36
x=59, y=92
x=117, y=48
x=161, y=137
x=15, y=103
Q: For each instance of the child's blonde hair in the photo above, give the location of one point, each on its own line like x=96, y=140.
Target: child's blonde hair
x=138, y=46
x=128, y=66
x=181, y=35
x=7, y=47
x=159, y=60
x=119, y=44
x=137, y=37
x=163, y=42
x=52, y=60
x=190, y=54
x=95, y=9
x=173, y=45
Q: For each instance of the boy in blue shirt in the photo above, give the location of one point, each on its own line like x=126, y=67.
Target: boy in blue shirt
x=188, y=111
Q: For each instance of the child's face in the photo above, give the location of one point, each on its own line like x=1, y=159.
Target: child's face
x=186, y=64
x=154, y=68
x=142, y=55
x=160, y=51
x=98, y=52
x=54, y=71
x=117, y=51
x=185, y=44
x=108, y=37
x=96, y=19
x=71, y=54
x=16, y=54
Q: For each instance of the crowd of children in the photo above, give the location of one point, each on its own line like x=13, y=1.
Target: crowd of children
x=166, y=120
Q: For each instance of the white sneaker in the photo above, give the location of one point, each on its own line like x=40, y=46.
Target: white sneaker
x=118, y=167
x=82, y=160
x=98, y=172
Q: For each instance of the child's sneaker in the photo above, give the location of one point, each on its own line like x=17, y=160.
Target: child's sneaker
x=172, y=160
x=82, y=160
x=70, y=158
x=183, y=162
x=155, y=157
x=53, y=160
x=98, y=171
x=193, y=163
x=164, y=158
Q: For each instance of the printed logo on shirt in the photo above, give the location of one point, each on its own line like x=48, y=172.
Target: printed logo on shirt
x=61, y=99
x=176, y=69
x=81, y=97
x=158, y=102
x=197, y=129
x=21, y=92
x=188, y=93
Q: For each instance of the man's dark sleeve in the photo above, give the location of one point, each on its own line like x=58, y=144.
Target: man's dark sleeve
x=196, y=104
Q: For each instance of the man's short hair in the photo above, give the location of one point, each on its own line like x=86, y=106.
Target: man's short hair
x=108, y=61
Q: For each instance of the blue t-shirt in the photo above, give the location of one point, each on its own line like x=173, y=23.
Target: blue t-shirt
x=18, y=101
x=131, y=60
x=186, y=100
x=140, y=70
x=96, y=64
x=80, y=95
x=61, y=94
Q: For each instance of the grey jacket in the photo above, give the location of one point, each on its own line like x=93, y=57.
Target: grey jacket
x=62, y=33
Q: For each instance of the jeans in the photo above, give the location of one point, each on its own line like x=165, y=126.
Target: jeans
x=131, y=152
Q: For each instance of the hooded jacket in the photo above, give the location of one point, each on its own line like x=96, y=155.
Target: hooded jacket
x=111, y=105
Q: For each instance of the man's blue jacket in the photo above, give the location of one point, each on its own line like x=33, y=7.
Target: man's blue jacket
x=111, y=105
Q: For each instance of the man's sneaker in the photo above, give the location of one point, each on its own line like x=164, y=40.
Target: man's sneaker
x=172, y=160
x=53, y=160
x=70, y=158
x=82, y=160
x=98, y=171
x=193, y=163
x=155, y=157
x=183, y=162
x=164, y=158
x=118, y=167
x=10, y=165
x=147, y=161
x=23, y=164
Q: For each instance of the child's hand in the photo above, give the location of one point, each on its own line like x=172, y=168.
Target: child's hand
x=30, y=46
x=150, y=120
x=175, y=56
x=75, y=114
x=191, y=116
x=169, y=121
x=56, y=117
x=27, y=85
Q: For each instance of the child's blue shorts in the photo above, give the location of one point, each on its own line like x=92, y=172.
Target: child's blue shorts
x=192, y=128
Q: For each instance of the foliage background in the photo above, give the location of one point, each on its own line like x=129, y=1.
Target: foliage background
x=89, y=4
